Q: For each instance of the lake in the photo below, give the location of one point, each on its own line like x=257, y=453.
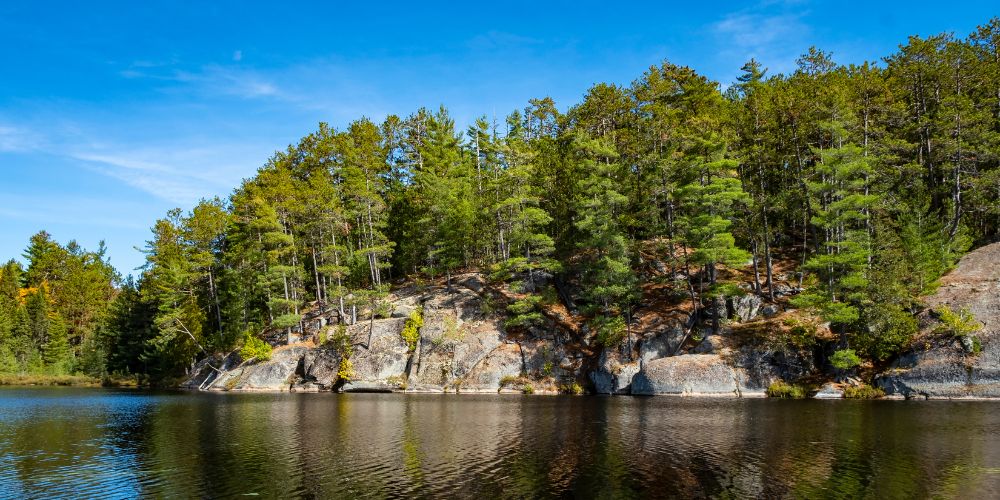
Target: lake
x=64, y=442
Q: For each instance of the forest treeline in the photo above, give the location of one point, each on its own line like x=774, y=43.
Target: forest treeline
x=868, y=180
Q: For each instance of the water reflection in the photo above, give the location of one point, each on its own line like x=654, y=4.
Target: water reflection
x=96, y=443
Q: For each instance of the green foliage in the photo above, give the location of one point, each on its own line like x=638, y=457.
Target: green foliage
x=411, y=329
x=609, y=331
x=888, y=330
x=524, y=312
x=958, y=324
x=254, y=348
x=844, y=359
x=784, y=390
x=801, y=333
x=339, y=339
x=863, y=392
x=528, y=389
x=286, y=321
x=573, y=388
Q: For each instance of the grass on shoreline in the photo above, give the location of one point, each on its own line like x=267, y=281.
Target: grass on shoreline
x=14, y=379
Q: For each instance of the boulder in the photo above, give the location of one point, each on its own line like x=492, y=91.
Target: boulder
x=455, y=338
x=689, y=374
x=829, y=391
x=275, y=374
x=718, y=308
x=745, y=307
x=380, y=353
x=614, y=374
x=711, y=344
x=662, y=343
x=770, y=310
x=320, y=367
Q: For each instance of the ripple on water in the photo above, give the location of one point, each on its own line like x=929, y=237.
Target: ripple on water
x=120, y=444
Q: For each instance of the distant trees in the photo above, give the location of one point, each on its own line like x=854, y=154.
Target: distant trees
x=52, y=313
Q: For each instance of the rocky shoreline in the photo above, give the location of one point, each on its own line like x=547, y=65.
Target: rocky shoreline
x=463, y=347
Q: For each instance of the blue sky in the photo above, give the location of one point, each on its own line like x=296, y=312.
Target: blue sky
x=113, y=113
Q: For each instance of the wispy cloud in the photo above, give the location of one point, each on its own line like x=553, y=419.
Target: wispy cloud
x=770, y=32
x=178, y=175
x=14, y=139
x=210, y=81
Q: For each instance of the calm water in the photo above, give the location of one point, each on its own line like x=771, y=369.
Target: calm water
x=106, y=443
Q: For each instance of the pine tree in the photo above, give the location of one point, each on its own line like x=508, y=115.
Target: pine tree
x=841, y=193
x=608, y=279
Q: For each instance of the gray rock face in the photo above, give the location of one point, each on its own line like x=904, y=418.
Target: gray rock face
x=947, y=369
x=276, y=374
x=665, y=343
x=770, y=310
x=711, y=344
x=689, y=374
x=455, y=340
x=745, y=307
x=320, y=367
x=380, y=353
x=615, y=374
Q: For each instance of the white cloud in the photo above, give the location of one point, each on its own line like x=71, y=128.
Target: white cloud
x=179, y=175
x=15, y=139
x=766, y=32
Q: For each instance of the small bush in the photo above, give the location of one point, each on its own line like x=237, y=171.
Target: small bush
x=508, y=380
x=488, y=305
x=345, y=371
x=255, y=348
x=528, y=389
x=550, y=296
x=383, y=309
x=411, y=330
x=574, y=389
x=863, y=392
x=784, y=390
x=959, y=323
x=845, y=359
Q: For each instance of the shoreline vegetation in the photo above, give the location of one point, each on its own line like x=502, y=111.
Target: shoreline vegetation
x=648, y=222
x=29, y=380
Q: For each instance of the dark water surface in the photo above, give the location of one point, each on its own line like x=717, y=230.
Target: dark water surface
x=107, y=443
